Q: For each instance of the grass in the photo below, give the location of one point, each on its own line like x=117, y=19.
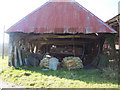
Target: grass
x=35, y=77
x=3, y=62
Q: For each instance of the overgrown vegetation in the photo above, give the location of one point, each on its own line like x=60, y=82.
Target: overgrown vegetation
x=112, y=70
x=111, y=39
x=33, y=77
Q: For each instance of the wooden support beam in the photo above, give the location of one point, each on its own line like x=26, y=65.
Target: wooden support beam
x=15, y=56
x=48, y=36
x=62, y=42
x=10, y=51
x=20, y=58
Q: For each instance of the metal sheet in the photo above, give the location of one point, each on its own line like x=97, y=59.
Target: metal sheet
x=61, y=17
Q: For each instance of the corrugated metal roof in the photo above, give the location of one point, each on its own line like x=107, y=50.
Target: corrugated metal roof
x=61, y=17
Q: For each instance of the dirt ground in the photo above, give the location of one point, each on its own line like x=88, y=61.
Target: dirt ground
x=4, y=84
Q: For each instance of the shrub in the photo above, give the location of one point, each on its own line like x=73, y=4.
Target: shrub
x=110, y=72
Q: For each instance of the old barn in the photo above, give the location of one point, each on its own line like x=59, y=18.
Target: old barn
x=59, y=28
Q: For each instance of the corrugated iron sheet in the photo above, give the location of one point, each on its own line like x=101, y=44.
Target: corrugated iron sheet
x=61, y=17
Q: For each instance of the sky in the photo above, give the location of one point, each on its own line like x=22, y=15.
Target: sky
x=11, y=11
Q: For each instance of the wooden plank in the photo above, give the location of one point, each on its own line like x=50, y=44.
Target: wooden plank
x=45, y=37
x=20, y=58
x=62, y=42
x=10, y=52
x=15, y=56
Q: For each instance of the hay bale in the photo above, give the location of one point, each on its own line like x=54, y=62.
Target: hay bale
x=72, y=63
x=45, y=62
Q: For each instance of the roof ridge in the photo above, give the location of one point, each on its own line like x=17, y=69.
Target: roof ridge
x=61, y=0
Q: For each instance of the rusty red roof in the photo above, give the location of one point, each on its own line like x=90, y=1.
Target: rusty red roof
x=61, y=17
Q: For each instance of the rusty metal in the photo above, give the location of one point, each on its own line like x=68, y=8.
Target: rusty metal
x=61, y=17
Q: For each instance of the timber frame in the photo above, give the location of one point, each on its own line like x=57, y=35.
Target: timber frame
x=115, y=23
x=22, y=44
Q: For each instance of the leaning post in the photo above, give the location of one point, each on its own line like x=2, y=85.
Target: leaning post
x=10, y=51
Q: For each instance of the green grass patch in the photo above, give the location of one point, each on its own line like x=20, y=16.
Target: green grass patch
x=36, y=78
x=3, y=62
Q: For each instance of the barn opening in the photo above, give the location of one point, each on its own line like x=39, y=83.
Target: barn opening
x=58, y=45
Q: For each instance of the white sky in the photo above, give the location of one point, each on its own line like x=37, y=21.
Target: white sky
x=11, y=11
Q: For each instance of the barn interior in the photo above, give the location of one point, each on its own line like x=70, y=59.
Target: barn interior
x=86, y=47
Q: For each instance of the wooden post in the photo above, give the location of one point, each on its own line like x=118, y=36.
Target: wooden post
x=119, y=26
x=10, y=51
x=32, y=47
x=15, y=56
x=119, y=22
x=37, y=48
x=20, y=58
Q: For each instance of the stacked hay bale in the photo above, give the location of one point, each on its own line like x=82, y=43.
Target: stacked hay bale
x=72, y=62
x=49, y=62
x=44, y=63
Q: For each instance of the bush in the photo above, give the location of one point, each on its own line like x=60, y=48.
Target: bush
x=111, y=72
x=103, y=61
